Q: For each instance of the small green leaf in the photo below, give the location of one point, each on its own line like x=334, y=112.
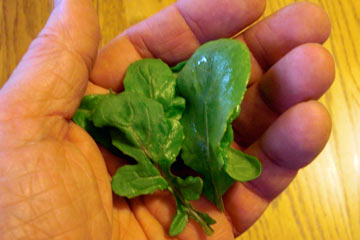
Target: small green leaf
x=83, y=117
x=179, y=221
x=190, y=187
x=153, y=78
x=134, y=180
x=178, y=67
x=242, y=167
x=87, y=106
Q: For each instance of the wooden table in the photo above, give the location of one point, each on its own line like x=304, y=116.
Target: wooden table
x=324, y=200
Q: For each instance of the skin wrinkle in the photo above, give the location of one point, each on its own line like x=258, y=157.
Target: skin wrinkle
x=96, y=184
x=187, y=27
x=228, y=217
x=65, y=31
x=128, y=225
x=133, y=34
x=37, y=44
x=69, y=194
x=229, y=12
x=132, y=207
x=259, y=56
x=24, y=221
x=39, y=132
x=190, y=22
x=57, y=46
x=141, y=48
x=60, y=234
x=175, y=49
x=259, y=192
x=32, y=226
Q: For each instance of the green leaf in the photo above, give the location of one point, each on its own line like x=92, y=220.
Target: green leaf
x=184, y=210
x=179, y=221
x=242, y=167
x=190, y=188
x=144, y=131
x=134, y=180
x=154, y=79
x=203, y=219
x=136, y=124
x=207, y=218
x=213, y=82
x=178, y=67
x=140, y=129
x=143, y=123
x=83, y=117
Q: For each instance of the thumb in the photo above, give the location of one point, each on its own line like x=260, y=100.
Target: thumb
x=53, y=74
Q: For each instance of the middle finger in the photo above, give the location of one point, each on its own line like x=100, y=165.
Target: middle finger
x=295, y=70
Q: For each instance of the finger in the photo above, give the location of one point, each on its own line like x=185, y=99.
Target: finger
x=150, y=225
x=94, y=89
x=52, y=76
x=305, y=73
x=211, y=20
x=173, y=35
x=77, y=136
x=273, y=37
x=291, y=143
x=125, y=225
x=162, y=206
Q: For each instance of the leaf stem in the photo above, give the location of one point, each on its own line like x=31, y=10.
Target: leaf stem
x=204, y=225
x=194, y=214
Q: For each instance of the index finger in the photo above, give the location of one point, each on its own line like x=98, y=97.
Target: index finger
x=173, y=35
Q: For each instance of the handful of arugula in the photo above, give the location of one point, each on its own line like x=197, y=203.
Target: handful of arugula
x=164, y=111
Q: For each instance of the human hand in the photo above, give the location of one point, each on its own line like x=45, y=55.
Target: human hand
x=54, y=180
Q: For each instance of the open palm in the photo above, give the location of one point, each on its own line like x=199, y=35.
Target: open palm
x=55, y=181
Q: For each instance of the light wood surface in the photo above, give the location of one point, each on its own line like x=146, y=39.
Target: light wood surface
x=324, y=200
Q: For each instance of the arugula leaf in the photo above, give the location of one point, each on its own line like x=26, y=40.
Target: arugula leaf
x=213, y=82
x=190, y=188
x=83, y=115
x=242, y=167
x=143, y=123
x=134, y=180
x=178, y=67
x=180, y=219
x=184, y=210
x=141, y=126
x=153, y=78
x=140, y=129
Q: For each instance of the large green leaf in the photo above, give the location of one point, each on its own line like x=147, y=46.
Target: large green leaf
x=154, y=79
x=213, y=82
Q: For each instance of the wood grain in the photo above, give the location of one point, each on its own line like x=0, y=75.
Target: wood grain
x=324, y=200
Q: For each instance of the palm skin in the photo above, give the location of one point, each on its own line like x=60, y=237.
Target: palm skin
x=54, y=179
